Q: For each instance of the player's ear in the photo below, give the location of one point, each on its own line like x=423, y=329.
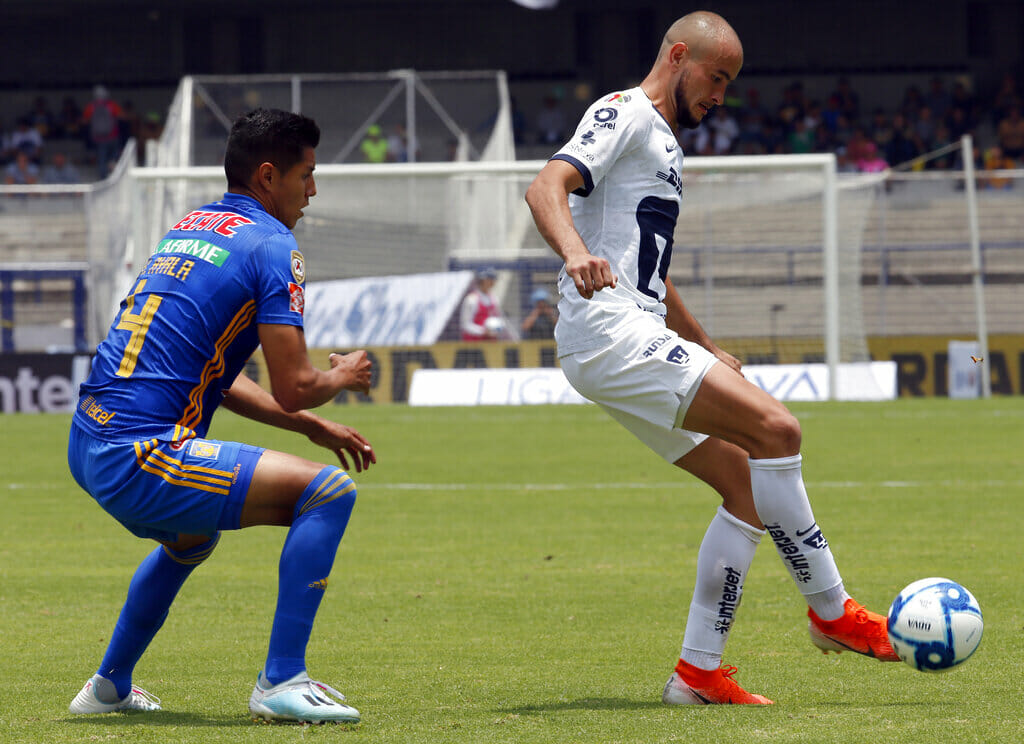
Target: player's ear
x=677, y=52
x=265, y=174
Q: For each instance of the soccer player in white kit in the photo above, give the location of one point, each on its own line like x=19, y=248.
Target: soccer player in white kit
x=607, y=203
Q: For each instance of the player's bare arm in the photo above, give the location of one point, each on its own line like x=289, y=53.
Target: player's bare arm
x=247, y=398
x=680, y=320
x=295, y=383
x=548, y=198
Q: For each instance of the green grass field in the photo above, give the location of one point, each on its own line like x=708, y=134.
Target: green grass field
x=523, y=575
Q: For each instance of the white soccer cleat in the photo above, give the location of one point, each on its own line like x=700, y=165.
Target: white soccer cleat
x=299, y=700
x=87, y=702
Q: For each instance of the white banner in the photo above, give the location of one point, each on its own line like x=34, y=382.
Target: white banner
x=964, y=371
x=516, y=387
x=859, y=381
x=491, y=387
x=409, y=310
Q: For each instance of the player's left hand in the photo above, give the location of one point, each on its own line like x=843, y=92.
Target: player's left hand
x=729, y=359
x=341, y=439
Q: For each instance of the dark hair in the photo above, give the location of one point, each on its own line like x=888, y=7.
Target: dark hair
x=267, y=136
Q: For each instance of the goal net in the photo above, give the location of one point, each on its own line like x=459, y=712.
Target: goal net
x=768, y=250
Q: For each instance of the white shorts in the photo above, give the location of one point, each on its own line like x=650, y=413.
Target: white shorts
x=645, y=379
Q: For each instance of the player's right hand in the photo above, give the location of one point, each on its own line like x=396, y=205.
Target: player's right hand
x=590, y=274
x=357, y=369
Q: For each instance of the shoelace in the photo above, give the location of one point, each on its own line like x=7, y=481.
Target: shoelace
x=729, y=671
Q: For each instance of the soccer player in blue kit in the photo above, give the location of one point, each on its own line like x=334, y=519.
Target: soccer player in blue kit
x=228, y=277
x=607, y=203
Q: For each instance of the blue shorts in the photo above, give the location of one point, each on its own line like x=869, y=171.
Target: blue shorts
x=160, y=489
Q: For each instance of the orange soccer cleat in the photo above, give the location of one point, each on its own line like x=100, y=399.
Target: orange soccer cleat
x=690, y=685
x=857, y=630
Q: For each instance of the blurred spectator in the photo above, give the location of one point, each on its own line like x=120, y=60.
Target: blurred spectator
x=1007, y=96
x=374, y=147
x=800, y=140
x=938, y=99
x=996, y=159
x=751, y=140
x=913, y=100
x=101, y=119
x=480, y=317
x=1010, y=133
x=859, y=148
x=881, y=131
x=849, y=100
x=926, y=127
x=60, y=170
x=961, y=98
x=26, y=139
x=551, y=122
x=843, y=162
x=21, y=171
x=41, y=118
x=398, y=145
x=540, y=323
x=830, y=114
x=791, y=107
x=150, y=129
x=724, y=131
x=957, y=123
x=69, y=119
x=871, y=160
x=754, y=105
x=904, y=145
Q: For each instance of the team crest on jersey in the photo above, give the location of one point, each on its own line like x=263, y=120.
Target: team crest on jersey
x=298, y=267
x=296, y=298
x=206, y=450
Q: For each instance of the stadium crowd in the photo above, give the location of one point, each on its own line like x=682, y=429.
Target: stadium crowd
x=929, y=116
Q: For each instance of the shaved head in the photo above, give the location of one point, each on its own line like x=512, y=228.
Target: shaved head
x=705, y=33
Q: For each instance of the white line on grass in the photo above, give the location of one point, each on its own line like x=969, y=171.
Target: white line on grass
x=670, y=486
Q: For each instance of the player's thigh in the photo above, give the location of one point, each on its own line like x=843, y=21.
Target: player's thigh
x=730, y=407
x=277, y=483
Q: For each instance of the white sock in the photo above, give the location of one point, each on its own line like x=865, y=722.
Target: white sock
x=722, y=564
x=829, y=604
x=781, y=502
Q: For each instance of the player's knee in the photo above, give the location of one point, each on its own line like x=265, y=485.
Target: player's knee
x=194, y=554
x=780, y=434
x=331, y=495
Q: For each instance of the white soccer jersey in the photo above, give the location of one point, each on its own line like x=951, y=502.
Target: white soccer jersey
x=626, y=213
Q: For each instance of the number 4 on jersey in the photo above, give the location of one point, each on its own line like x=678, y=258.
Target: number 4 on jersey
x=138, y=324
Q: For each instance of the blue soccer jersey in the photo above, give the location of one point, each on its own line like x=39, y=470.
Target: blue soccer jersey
x=189, y=323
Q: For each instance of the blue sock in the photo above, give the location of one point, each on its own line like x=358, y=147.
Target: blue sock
x=154, y=586
x=321, y=515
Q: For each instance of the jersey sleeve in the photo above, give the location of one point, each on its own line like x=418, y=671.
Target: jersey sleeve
x=281, y=281
x=605, y=132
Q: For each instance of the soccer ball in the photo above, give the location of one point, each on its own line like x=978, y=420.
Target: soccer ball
x=934, y=624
